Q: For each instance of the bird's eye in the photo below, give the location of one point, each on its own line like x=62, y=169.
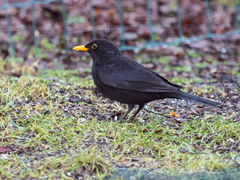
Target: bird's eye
x=94, y=46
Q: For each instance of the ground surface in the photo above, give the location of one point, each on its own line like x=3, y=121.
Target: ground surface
x=54, y=124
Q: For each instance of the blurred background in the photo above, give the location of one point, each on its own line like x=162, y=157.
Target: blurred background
x=40, y=34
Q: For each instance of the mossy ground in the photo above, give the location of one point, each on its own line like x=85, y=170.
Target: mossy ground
x=58, y=127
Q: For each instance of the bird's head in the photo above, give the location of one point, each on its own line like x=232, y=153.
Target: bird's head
x=99, y=48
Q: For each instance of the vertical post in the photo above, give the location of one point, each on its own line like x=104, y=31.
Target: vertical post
x=209, y=34
x=64, y=26
x=11, y=50
x=179, y=22
x=150, y=21
x=236, y=13
x=119, y=7
x=92, y=19
x=35, y=32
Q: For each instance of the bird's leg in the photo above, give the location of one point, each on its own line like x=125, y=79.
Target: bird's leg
x=139, y=109
x=130, y=107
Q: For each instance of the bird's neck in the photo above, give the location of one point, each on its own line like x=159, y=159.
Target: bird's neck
x=105, y=58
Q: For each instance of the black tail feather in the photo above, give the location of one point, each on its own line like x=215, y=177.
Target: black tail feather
x=192, y=98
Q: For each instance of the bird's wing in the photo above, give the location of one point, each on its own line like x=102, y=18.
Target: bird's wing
x=135, y=77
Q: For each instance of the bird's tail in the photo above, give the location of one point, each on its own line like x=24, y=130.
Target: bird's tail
x=192, y=98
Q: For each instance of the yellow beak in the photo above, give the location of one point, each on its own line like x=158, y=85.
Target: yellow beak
x=80, y=48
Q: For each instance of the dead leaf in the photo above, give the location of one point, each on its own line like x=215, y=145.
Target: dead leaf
x=5, y=149
x=173, y=114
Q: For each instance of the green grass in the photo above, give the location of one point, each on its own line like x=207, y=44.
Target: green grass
x=58, y=127
x=40, y=121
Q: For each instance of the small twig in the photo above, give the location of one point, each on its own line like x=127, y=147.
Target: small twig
x=229, y=95
x=219, y=149
x=235, y=144
x=222, y=105
x=203, y=109
x=150, y=111
x=234, y=159
x=223, y=149
x=231, y=148
x=175, y=119
x=231, y=107
x=213, y=149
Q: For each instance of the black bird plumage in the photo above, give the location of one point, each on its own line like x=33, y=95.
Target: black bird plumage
x=124, y=80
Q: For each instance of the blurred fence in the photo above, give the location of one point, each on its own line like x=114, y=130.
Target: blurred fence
x=151, y=42
x=32, y=3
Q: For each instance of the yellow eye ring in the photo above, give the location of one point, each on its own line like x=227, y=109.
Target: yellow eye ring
x=94, y=46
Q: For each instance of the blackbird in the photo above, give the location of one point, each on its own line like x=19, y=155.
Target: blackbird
x=124, y=80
